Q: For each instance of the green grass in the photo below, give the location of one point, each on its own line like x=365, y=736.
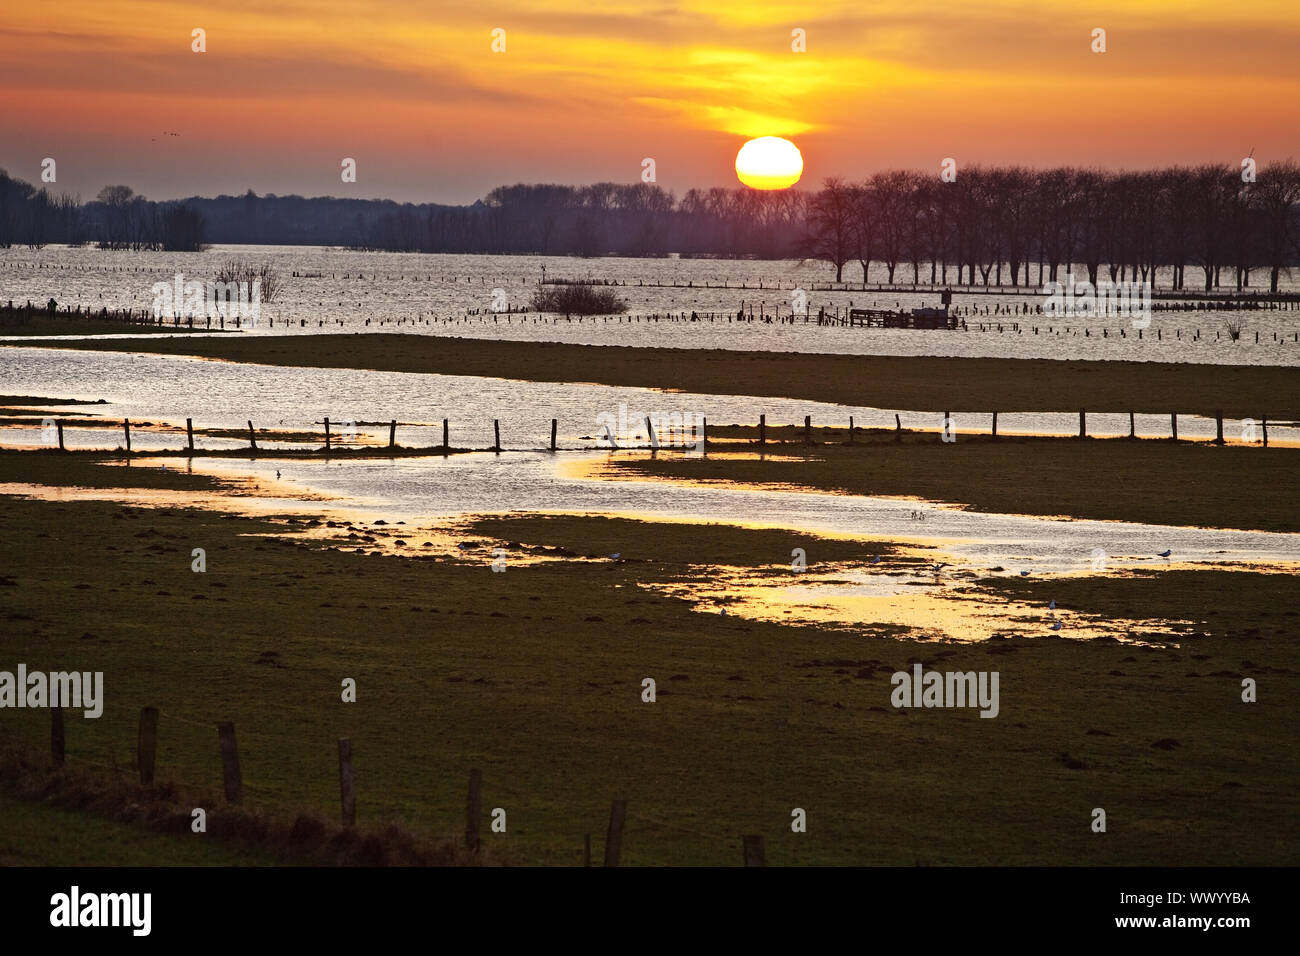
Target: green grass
x=917, y=383
x=533, y=676
x=1151, y=480
x=37, y=834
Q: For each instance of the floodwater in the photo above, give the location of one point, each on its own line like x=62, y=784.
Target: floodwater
x=332, y=290
x=932, y=589
x=935, y=593
x=166, y=390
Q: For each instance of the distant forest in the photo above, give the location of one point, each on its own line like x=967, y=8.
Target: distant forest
x=987, y=226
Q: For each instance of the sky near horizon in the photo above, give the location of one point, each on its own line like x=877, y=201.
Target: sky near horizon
x=584, y=91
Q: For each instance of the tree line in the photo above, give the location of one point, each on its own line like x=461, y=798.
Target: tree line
x=992, y=225
x=117, y=219
x=989, y=225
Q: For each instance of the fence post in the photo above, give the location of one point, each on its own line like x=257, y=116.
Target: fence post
x=189, y=432
x=252, y=439
x=327, y=433
x=147, y=743
x=898, y=427
x=229, y=761
x=995, y=425
x=1218, y=418
x=762, y=429
x=850, y=429
x=57, y=739
x=126, y=427
x=614, y=836
x=473, y=809
x=1132, y=430
x=496, y=432
x=1265, y=423
x=1083, y=423
x=59, y=426
x=554, y=424
x=392, y=433
x=807, y=429
x=754, y=853
x=347, y=791
x=444, y=436
x=651, y=437
x=1173, y=424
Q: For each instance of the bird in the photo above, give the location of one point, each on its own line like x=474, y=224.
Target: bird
x=1167, y=552
x=1052, y=606
x=876, y=559
x=277, y=472
x=1056, y=626
x=616, y=555
x=1024, y=574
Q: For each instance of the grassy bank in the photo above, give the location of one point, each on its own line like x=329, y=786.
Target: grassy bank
x=41, y=321
x=1151, y=481
x=917, y=383
x=534, y=677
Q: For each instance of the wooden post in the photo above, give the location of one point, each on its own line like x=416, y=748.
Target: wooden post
x=762, y=429
x=1173, y=424
x=473, y=809
x=1083, y=423
x=189, y=432
x=651, y=437
x=614, y=836
x=995, y=425
x=1132, y=429
x=704, y=434
x=807, y=429
x=229, y=761
x=1265, y=423
x=850, y=429
x=554, y=425
x=252, y=439
x=327, y=433
x=57, y=739
x=126, y=427
x=147, y=743
x=59, y=426
x=898, y=427
x=754, y=853
x=1218, y=418
x=445, y=446
x=392, y=433
x=496, y=431
x=347, y=791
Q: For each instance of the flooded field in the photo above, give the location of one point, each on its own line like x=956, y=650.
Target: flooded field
x=328, y=290
x=166, y=390
x=417, y=506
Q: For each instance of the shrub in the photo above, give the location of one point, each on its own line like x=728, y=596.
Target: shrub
x=578, y=300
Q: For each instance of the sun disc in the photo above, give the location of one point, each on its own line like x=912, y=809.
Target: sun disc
x=769, y=162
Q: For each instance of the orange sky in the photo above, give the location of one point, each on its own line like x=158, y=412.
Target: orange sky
x=586, y=90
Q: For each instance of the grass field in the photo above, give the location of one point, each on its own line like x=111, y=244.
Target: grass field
x=534, y=676
x=42, y=323
x=1150, y=481
x=916, y=383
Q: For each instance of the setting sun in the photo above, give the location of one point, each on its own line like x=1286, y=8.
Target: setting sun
x=769, y=162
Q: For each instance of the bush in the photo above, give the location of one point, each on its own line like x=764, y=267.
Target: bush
x=235, y=271
x=578, y=300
